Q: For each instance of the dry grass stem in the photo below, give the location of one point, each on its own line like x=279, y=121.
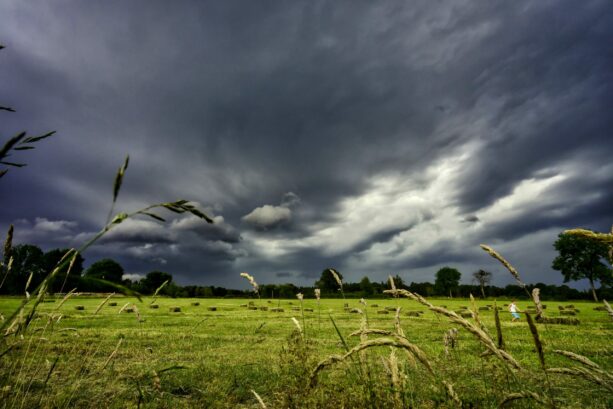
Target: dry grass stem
x=578, y=358
x=473, y=329
x=297, y=324
x=108, y=360
x=602, y=237
x=523, y=395
x=251, y=281
x=260, y=401
x=588, y=375
x=398, y=343
x=505, y=263
x=451, y=393
x=608, y=307
x=102, y=303
x=499, y=337
x=537, y=340
x=537, y=302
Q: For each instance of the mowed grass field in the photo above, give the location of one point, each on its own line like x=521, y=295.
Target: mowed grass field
x=203, y=358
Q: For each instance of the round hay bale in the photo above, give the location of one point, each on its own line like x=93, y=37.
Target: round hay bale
x=243, y=305
x=413, y=314
x=154, y=306
x=484, y=308
x=308, y=310
x=568, y=312
x=295, y=308
x=174, y=309
x=466, y=314
x=128, y=309
x=264, y=308
x=276, y=309
x=79, y=307
x=462, y=307
x=346, y=305
x=374, y=305
x=354, y=311
x=388, y=308
x=253, y=307
x=269, y=302
x=383, y=312
x=113, y=304
x=212, y=308
x=195, y=304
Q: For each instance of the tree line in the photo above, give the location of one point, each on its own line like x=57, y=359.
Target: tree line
x=578, y=258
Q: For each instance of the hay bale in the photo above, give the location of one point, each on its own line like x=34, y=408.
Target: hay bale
x=154, y=306
x=390, y=308
x=173, y=309
x=465, y=314
x=374, y=305
x=79, y=307
x=570, y=306
x=253, y=307
x=544, y=306
x=276, y=309
x=462, y=307
x=251, y=303
x=383, y=312
x=308, y=310
x=346, y=305
x=264, y=308
x=600, y=308
x=568, y=312
x=346, y=309
x=211, y=308
x=113, y=304
x=413, y=314
x=295, y=308
x=354, y=311
x=195, y=304
x=558, y=320
x=243, y=305
x=484, y=308
x=269, y=302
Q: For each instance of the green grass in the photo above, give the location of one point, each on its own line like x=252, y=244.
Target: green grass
x=202, y=358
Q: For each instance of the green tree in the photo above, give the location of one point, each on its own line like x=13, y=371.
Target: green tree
x=327, y=283
x=106, y=269
x=447, y=280
x=582, y=257
x=366, y=287
x=27, y=259
x=153, y=281
x=62, y=282
x=483, y=278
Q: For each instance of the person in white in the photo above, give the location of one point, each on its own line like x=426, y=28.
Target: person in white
x=514, y=311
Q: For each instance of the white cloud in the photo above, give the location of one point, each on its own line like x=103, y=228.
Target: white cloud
x=269, y=216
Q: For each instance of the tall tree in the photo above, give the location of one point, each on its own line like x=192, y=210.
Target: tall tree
x=65, y=280
x=327, y=283
x=27, y=259
x=153, y=281
x=483, y=278
x=106, y=269
x=447, y=280
x=583, y=257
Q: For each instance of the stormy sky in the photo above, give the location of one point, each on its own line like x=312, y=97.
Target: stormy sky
x=373, y=137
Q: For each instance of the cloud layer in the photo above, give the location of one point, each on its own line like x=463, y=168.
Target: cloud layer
x=373, y=138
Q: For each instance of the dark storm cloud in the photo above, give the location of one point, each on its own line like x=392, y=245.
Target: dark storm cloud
x=235, y=104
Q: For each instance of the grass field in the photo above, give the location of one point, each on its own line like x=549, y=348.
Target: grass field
x=203, y=358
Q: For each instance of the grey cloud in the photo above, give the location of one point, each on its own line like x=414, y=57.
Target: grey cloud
x=235, y=104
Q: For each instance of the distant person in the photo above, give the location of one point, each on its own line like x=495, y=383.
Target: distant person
x=514, y=311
